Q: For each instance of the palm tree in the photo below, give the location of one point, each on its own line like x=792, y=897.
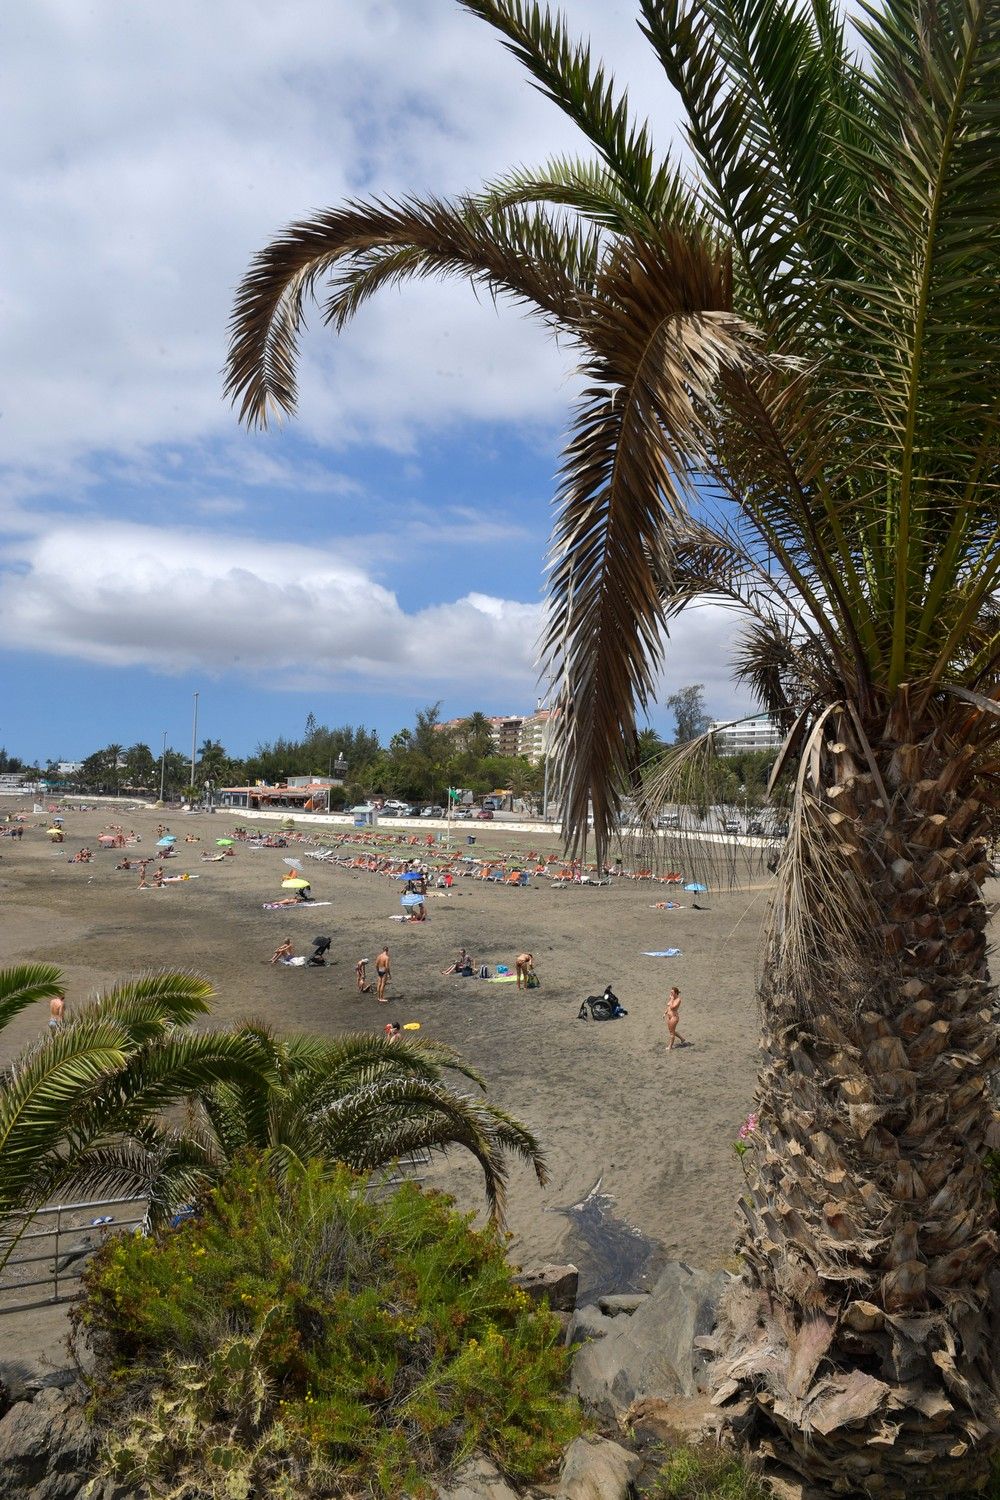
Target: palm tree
x=357, y=1099
x=68, y=1102
x=791, y=376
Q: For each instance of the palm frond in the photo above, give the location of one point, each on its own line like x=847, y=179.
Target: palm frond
x=372, y=1126
x=663, y=335
x=24, y=985
x=541, y=263
x=564, y=72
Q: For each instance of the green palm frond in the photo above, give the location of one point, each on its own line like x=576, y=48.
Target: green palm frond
x=40, y=1099
x=564, y=71
x=24, y=985
x=372, y=1126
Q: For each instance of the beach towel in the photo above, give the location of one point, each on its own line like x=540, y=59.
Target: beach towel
x=662, y=953
x=294, y=905
x=503, y=979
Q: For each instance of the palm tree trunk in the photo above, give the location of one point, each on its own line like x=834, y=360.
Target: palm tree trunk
x=860, y=1340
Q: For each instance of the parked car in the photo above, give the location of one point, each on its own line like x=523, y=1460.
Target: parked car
x=489, y=805
x=756, y=828
x=670, y=820
x=432, y=812
x=730, y=825
x=461, y=812
x=485, y=814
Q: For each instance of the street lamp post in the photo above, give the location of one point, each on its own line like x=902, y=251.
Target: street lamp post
x=194, y=738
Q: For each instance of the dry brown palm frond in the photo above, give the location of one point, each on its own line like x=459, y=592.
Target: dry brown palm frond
x=660, y=335
x=527, y=254
x=690, y=783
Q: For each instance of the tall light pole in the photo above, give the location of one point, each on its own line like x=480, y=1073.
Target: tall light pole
x=163, y=763
x=194, y=736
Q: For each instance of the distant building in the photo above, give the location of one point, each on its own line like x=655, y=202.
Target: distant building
x=68, y=767
x=763, y=733
x=536, y=734
x=304, y=793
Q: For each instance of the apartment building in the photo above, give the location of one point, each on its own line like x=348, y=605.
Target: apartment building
x=763, y=733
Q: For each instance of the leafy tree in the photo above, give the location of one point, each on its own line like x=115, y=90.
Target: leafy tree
x=690, y=718
x=10, y=763
x=805, y=337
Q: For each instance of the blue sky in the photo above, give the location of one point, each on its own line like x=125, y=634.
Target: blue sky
x=384, y=551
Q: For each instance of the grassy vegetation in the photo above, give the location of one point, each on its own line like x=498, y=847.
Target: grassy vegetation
x=298, y=1339
x=691, y=1473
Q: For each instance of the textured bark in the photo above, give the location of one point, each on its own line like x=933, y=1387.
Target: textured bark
x=862, y=1336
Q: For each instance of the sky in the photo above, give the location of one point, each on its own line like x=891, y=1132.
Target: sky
x=387, y=548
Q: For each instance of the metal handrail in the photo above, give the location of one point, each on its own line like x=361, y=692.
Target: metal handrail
x=403, y=1170
x=66, y=1272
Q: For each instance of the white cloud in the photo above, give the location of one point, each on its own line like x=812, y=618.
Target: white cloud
x=148, y=151
x=124, y=595
x=290, y=616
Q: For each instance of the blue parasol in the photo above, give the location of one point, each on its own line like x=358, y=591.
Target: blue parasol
x=695, y=885
x=164, y=843
x=412, y=900
x=410, y=875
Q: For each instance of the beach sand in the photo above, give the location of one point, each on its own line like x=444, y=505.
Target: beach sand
x=607, y=1102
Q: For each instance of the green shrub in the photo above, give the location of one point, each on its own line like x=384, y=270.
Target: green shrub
x=298, y=1338
x=706, y=1474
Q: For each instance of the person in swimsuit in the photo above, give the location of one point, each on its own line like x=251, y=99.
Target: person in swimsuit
x=393, y=1031
x=672, y=1016
x=360, y=968
x=461, y=963
x=283, y=951
x=383, y=973
x=57, y=1006
x=525, y=964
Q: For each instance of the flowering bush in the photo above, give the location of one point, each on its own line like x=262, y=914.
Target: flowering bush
x=299, y=1339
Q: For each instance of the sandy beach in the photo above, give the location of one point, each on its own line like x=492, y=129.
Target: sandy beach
x=607, y=1102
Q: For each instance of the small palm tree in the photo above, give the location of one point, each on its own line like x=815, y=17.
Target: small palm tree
x=68, y=1102
x=357, y=1099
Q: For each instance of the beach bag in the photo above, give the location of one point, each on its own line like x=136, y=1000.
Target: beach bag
x=484, y=971
x=534, y=983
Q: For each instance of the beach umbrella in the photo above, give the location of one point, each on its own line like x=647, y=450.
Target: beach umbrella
x=293, y=884
x=695, y=885
x=223, y=843
x=410, y=875
x=411, y=900
x=295, y=865
x=164, y=843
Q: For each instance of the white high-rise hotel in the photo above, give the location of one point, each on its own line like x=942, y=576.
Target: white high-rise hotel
x=763, y=733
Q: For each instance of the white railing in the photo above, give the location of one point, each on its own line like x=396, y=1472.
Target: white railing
x=75, y=1231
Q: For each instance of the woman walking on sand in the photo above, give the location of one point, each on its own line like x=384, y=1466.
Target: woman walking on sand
x=525, y=965
x=671, y=1016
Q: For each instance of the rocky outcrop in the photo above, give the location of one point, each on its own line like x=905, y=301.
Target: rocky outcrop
x=478, y=1479
x=45, y=1447
x=558, y=1284
x=596, y=1469
x=652, y=1351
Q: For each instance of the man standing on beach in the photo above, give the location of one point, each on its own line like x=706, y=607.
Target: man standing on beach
x=672, y=1016
x=383, y=973
x=57, y=1007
